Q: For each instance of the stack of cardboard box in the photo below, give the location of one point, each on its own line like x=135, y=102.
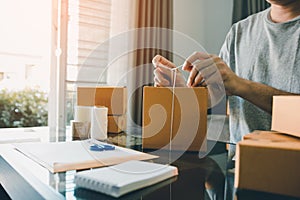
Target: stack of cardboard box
x=114, y=98
x=268, y=161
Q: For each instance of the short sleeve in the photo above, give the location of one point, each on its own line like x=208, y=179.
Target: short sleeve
x=227, y=52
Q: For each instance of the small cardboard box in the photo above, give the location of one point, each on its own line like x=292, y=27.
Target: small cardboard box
x=269, y=136
x=269, y=162
x=285, y=115
x=114, y=98
x=116, y=124
x=189, y=118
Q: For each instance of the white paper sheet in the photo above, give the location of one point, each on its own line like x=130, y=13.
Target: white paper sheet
x=64, y=156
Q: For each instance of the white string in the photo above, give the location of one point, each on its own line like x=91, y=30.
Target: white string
x=168, y=68
x=174, y=73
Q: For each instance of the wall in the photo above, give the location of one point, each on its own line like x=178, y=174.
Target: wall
x=206, y=21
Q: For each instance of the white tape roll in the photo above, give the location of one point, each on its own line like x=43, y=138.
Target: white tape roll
x=99, y=123
x=83, y=113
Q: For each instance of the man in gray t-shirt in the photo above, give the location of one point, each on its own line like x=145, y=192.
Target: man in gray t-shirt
x=259, y=59
x=260, y=50
x=263, y=52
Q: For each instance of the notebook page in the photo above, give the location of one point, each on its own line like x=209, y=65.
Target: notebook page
x=122, y=178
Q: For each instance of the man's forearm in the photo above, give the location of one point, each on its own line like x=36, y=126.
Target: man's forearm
x=259, y=94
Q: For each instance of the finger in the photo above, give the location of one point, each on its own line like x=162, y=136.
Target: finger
x=158, y=59
x=212, y=77
x=165, y=71
x=198, y=80
x=210, y=73
x=195, y=56
x=192, y=76
x=187, y=68
x=202, y=83
x=199, y=66
x=157, y=83
x=159, y=77
x=202, y=64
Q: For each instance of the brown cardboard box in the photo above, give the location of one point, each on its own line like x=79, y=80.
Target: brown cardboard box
x=269, y=162
x=269, y=136
x=189, y=119
x=285, y=115
x=115, y=98
x=116, y=124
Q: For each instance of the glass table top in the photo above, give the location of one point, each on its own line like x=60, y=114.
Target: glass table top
x=206, y=177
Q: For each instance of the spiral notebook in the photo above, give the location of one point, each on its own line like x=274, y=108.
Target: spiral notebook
x=122, y=178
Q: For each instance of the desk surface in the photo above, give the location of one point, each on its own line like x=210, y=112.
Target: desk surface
x=209, y=177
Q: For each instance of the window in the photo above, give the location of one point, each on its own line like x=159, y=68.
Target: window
x=83, y=30
x=24, y=62
x=32, y=39
x=88, y=27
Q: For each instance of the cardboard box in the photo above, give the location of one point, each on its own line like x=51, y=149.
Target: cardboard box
x=114, y=98
x=269, y=162
x=269, y=136
x=189, y=118
x=285, y=115
x=116, y=124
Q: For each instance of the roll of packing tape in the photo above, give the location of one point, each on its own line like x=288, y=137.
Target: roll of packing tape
x=99, y=123
x=83, y=113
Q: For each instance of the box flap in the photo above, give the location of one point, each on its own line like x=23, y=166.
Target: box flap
x=285, y=115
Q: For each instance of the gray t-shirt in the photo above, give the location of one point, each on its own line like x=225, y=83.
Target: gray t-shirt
x=260, y=50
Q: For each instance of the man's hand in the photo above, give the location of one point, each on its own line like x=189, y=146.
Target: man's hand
x=164, y=72
x=213, y=72
x=220, y=78
x=211, y=69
